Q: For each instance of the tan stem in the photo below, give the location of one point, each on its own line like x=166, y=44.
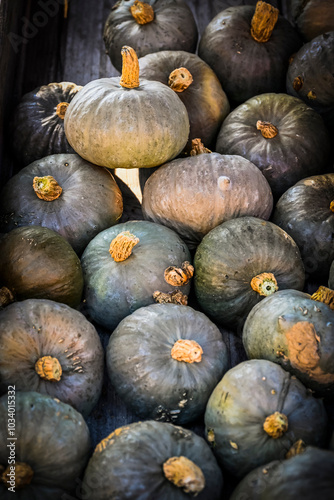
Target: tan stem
x=49, y=368
x=142, y=12
x=331, y=206
x=179, y=276
x=22, y=476
x=46, y=188
x=325, y=295
x=175, y=297
x=276, y=425
x=263, y=21
x=296, y=449
x=264, y=284
x=130, y=68
x=184, y=474
x=268, y=130
x=6, y=296
x=121, y=247
x=180, y=79
x=61, y=109
x=198, y=148
x=297, y=83
x=186, y=350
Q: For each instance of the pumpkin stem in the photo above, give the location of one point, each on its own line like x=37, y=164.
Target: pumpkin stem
x=22, y=476
x=268, y=130
x=46, y=188
x=121, y=246
x=184, y=474
x=142, y=12
x=331, y=206
x=130, y=68
x=6, y=297
x=198, y=148
x=49, y=368
x=276, y=424
x=186, y=350
x=61, y=109
x=263, y=21
x=296, y=449
x=175, y=297
x=325, y=295
x=297, y=83
x=178, y=276
x=264, y=284
x=180, y=79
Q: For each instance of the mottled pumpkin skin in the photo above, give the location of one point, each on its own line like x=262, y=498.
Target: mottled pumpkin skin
x=52, y=437
x=247, y=394
x=311, y=17
x=308, y=475
x=300, y=149
x=90, y=200
x=34, y=328
x=195, y=194
x=145, y=375
x=234, y=252
x=173, y=28
x=36, y=128
x=304, y=212
x=297, y=332
x=128, y=464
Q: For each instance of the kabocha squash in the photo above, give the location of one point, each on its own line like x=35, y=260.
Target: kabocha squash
x=296, y=331
x=127, y=123
x=280, y=134
x=249, y=48
x=37, y=127
x=164, y=360
x=307, y=475
x=36, y=262
x=125, y=265
x=149, y=26
x=257, y=413
x=53, y=349
x=240, y=262
x=192, y=195
x=64, y=193
x=50, y=447
x=151, y=460
x=306, y=212
x=311, y=17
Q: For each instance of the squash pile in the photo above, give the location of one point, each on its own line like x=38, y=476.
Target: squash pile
x=231, y=131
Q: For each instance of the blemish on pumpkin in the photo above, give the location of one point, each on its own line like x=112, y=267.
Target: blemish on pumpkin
x=324, y=295
x=110, y=439
x=179, y=276
x=121, y=247
x=234, y=445
x=49, y=368
x=263, y=21
x=276, y=424
x=297, y=83
x=273, y=391
x=183, y=403
x=180, y=79
x=224, y=183
x=22, y=477
x=211, y=437
x=142, y=12
x=174, y=297
x=264, y=284
x=47, y=188
x=184, y=474
x=296, y=449
x=265, y=471
x=188, y=351
x=311, y=95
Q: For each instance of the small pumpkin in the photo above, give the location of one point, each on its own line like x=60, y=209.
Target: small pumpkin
x=150, y=460
x=127, y=123
x=311, y=18
x=257, y=412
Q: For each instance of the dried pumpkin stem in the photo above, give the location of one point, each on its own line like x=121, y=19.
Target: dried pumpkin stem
x=49, y=368
x=142, y=12
x=325, y=295
x=46, y=188
x=276, y=424
x=22, y=476
x=179, y=276
x=121, y=247
x=180, y=79
x=6, y=297
x=61, y=109
x=297, y=83
x=331, y=206
x=264, y=284
x=175, y=297
x=187, y=350
x=296, y=449
x=184, y=474
x=198, y=148
x=130, y=68
x=263, y=21
x=268, y=130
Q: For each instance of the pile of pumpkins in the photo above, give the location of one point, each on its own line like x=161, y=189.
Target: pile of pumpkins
x=233, y=138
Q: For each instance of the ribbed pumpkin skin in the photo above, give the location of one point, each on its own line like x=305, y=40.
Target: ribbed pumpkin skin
x=270, y=333
x=90, y=201
x=127, y=465
x=34, y=328
x=300, y=149
x=311, y=17
x=195, y=194
x=36, y=129
x=52, y=437
x=234, y=252
x=247, y=394
x=173, y=28
x=117, y=127
x=304, y=212
x=145, y=375
x=114, y=290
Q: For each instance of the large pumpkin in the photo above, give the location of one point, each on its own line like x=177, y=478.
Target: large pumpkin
x=311, y=18
x=127, y=123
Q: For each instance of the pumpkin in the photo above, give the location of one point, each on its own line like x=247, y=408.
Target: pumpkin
x=123, y=267
x=240, y=262
x=51, y=348
x=164, y=360
x=286, y=139
x=305, y=211
x=296, y=331
x=37, y=126
x=192, y=195
x=150, y=460
x=127, y=123
x=311, y=17
x=149, y=26
x=64, y=193
x=257, y=412
x=48, y=445
x=249, y=48
x=36, y=262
